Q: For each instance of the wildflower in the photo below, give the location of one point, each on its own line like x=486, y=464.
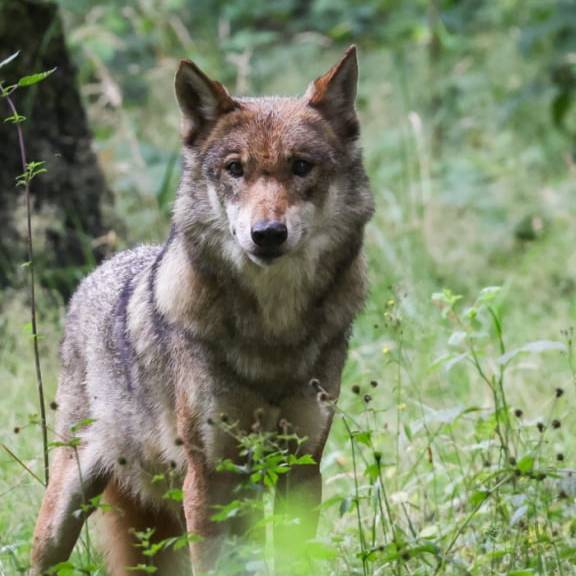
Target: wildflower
x=121, y=461
x=540, y=427
x=16, y=429
x=356, y=389
x=374, y=384
x=54, y=405
x=560, y=457
x=556, y=424
x=518, y=413
x=367, y=398
x=559, y=392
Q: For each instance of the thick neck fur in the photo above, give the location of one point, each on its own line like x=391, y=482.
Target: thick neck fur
x=199, y=291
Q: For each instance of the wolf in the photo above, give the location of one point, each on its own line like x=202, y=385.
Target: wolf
x=250, y=299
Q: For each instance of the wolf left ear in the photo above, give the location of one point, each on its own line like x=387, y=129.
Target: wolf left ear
x=201, y=100
x=334, y=95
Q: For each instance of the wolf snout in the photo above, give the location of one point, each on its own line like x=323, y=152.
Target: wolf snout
x=269, y=234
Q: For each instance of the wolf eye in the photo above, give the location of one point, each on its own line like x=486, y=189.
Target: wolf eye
x=302, y=167
x=235, y=169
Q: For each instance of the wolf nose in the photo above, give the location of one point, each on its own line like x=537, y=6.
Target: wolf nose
x=269, y=233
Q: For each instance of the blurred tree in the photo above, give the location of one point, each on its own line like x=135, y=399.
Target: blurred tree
x=68, y=199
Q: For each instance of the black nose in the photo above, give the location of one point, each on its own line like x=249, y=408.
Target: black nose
x=269, y=233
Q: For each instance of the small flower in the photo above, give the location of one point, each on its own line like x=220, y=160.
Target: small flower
x=559, y=392
x=560, y=457
x=540, y=427
x=518, y=413
x=16, y=429
x=374, y=384
x=53, y=405
x=556, y=423
x=367, y=398
x=356, y=389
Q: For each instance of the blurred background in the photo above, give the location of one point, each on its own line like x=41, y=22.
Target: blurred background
x=468, y=113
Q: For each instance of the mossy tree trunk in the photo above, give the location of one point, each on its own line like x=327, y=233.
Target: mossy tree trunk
x=68, y=199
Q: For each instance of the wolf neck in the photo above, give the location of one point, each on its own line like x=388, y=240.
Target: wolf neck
x=272, y=300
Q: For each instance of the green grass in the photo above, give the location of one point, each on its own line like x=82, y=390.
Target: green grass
x=435, y=474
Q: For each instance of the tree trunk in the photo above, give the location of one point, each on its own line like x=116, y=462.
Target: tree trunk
x=68, y=199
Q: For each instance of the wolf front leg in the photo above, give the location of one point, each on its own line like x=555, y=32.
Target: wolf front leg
x=75, y=478
x=204, y=490
x=299, y=493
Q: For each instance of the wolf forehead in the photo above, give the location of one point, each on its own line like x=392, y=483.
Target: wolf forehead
x=271, y=130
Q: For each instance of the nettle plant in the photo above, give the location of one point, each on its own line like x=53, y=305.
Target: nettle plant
x=30, y=170
x=467, y=489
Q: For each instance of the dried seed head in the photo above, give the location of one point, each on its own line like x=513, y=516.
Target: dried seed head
x=315, y=383
x=540, y=427
x=172, y=464
x=560, y=457
x=559, y=392
x=53, y=405
x=512, y=461
x=224, y=418
x=122, y=461
x=556, y=423
x=283, y=424
x=518, y=413
x=367, y=398
x=178, y=441
x=378, y=457
x=562, y=494
x=209, y=421
x=374, y=384
x=356, y=389
x=16, y=429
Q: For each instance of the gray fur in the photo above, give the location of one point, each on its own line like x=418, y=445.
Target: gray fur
x=188, y=324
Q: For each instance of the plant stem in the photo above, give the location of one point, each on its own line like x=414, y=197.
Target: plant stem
x=39, y=381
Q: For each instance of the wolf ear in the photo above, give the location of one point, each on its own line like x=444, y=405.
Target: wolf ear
x=334, y=95
x=201, y=100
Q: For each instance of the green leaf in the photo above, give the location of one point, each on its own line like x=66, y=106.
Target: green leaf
x=535, y=347
x=364, y=437
x=7, y=61
x=175, y=494
x=526, y=464
x=34, y=78
x=478, y=497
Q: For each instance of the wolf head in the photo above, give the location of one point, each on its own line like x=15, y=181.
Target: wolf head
x=271, y=179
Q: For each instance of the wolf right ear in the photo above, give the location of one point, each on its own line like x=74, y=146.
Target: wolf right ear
x=334, y=95
x=201, y=100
